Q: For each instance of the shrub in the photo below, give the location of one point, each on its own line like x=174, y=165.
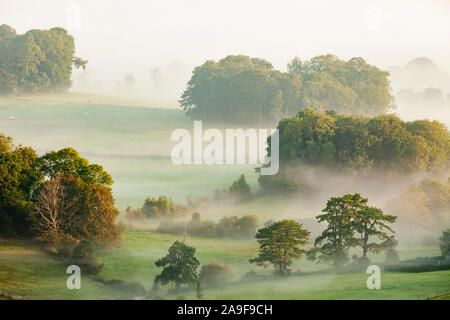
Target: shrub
x=215, y=274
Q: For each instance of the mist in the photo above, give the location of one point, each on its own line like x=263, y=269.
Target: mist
x=159, y=43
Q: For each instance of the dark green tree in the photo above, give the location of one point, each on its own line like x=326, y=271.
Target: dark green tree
x=280, y=243
x=180, y=266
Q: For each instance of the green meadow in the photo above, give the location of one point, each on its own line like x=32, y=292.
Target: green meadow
x=27, y=271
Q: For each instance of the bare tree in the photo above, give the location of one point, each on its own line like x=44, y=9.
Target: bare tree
x=53, y=209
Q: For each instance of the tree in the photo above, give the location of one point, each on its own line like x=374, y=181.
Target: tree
x=180, y=266
x=53, y=209
x=66, y=207
x=444, y=244
x=333, y=244
x=56, y=196
x=240, y=189
x=280, y=243
x=372, y=222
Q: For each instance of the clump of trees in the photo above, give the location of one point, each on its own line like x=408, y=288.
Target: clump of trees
x=280, y=243
x=351, y=222
x=156, y=208
x=227, y=227
x=37, y=61
x=424, y=206
x=357, y=144
x=240, y=88
x=57, y=197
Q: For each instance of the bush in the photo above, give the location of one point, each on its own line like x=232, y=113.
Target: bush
x=215, y=274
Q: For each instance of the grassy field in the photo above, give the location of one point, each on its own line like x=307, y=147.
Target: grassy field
x=27, y=271
x=129, y=139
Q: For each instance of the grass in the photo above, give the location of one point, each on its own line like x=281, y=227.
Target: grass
x=27, y=271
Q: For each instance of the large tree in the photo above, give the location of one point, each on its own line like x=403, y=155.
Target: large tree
x=371, y=222
x=333, y=244
x=358, y=145
x=280, y=243
x=180, y=266
x=56, y=196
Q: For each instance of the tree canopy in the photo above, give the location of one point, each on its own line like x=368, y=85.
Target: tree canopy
x=58, y=196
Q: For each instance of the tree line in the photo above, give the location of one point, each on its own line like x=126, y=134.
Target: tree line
x=227, y=227
x=242, y=89
x=37, y=61
x=357, y=144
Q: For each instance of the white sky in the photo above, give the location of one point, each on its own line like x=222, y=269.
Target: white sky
x=123, y=36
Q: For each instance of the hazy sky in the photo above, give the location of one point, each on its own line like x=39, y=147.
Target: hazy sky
x=124, y=36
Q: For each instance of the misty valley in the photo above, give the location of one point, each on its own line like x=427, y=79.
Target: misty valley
x=230, y=176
